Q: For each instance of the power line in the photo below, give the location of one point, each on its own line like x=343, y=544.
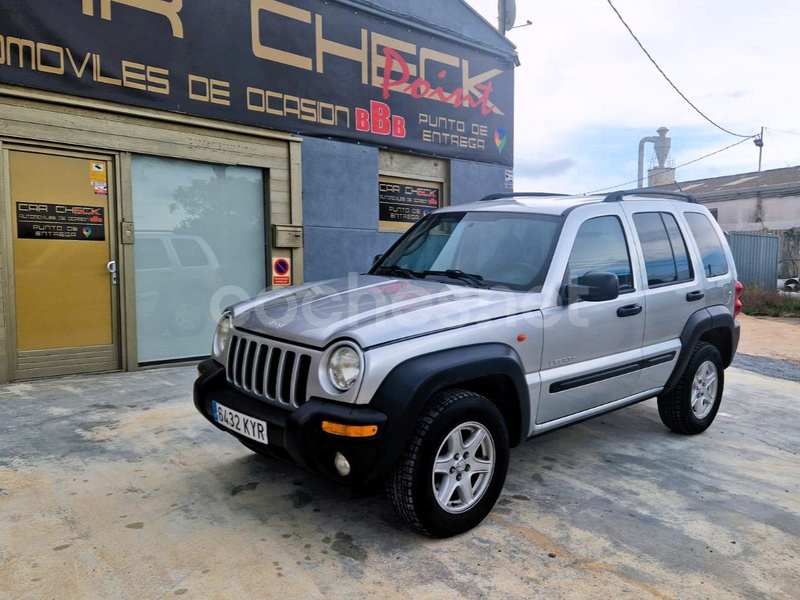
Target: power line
x=713, y=153
x=783, y=131
x=676, y=168
x=655, y=64
x=771, y=139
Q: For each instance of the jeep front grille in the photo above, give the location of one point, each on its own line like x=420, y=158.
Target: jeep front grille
x=268, y=370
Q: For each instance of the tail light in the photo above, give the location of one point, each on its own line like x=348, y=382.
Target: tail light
x=737, y=305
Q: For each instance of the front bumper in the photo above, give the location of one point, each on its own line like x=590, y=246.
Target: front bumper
x=297, y=435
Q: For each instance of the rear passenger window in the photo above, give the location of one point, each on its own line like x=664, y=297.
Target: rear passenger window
x=714, y=262
x=601, y=246
x=665, y=255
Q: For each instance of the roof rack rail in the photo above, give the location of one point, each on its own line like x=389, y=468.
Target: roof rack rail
x=515, y=194
x=619, y=196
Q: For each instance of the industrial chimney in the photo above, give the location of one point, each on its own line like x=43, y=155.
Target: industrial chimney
x=662, y=173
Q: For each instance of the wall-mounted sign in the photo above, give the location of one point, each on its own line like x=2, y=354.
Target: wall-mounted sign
x=403, y=202
x=309, y=66
x=40, y=221
x=98, y=177
x=281, y=272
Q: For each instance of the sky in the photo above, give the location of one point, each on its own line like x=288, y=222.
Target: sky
x=585, y=93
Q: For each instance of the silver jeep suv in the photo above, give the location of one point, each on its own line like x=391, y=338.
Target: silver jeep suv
x=484, y=325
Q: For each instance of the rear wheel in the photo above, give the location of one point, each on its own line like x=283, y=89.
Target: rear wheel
x=691, y=406
x=454, y=467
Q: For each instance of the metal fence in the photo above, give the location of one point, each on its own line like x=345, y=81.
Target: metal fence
x=756, y=256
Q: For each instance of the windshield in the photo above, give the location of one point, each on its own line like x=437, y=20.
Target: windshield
x=483, y=249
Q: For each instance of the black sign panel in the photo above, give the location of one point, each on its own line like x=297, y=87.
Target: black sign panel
x=403, y=202
x=38, y=221
x=308, y=66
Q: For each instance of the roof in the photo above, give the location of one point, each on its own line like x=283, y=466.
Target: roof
x=448, y=17
x=776, y=179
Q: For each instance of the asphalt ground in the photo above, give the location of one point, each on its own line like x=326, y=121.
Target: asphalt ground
x=112, y=486
x=770, y=367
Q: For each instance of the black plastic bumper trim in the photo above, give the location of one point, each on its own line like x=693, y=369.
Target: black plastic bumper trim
x=297, y=435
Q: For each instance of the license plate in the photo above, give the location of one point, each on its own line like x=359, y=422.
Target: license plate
x=255, y=429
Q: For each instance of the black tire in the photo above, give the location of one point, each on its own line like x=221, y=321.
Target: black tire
x=412, y=486
x=675, y=407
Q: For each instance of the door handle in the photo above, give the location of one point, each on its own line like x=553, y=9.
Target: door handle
x=693, y=296
x=629, y=311
x=112, y=268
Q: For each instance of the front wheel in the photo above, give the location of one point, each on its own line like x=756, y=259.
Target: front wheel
x=454, y=467
x=691, y=406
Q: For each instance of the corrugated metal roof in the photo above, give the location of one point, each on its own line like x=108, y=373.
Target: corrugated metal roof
x=740, y=181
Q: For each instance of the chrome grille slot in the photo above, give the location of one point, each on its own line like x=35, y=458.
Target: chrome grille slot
x=272, y=372
x=258, y=372
x=285, y=377
x=267, y=370
x=300, y=380
x=247, y=375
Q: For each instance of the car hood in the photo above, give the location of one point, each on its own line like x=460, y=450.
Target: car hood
x=374, y=310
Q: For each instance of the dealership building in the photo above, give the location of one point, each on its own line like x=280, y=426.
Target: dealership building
x=161, y=159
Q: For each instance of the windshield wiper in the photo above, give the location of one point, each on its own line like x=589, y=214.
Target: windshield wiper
x=399, y=271
x=458, y=274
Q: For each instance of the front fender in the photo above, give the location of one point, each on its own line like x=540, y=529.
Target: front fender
x=404, y=393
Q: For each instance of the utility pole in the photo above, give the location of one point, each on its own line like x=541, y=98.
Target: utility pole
x=760, y=143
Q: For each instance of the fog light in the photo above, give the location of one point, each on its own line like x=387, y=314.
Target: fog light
x=341, y=464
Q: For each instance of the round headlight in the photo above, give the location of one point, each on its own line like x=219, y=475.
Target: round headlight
x=344, y=366
x=221, y=335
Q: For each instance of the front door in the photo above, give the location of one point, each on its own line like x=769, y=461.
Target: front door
x=592, y=351
x=64, y=279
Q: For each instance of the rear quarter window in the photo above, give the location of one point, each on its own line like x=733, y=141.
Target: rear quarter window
x=709, y=244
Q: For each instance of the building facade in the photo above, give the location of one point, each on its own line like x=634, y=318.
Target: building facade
x=160, y=160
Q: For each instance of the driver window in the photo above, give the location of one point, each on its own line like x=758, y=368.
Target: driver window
x=600, y=246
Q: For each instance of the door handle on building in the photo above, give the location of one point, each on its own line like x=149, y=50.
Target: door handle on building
x=112, y=268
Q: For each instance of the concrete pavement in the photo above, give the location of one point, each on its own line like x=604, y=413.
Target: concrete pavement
x=111, y=486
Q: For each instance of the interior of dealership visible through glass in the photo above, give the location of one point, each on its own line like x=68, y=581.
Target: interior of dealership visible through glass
x=200, y=245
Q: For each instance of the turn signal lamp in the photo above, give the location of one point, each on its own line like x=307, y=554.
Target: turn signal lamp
x=356, y=431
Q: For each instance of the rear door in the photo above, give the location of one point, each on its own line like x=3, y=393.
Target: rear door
x=672, y=286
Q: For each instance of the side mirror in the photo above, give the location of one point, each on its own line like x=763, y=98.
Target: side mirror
x=594, y=286
x=376, y=258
